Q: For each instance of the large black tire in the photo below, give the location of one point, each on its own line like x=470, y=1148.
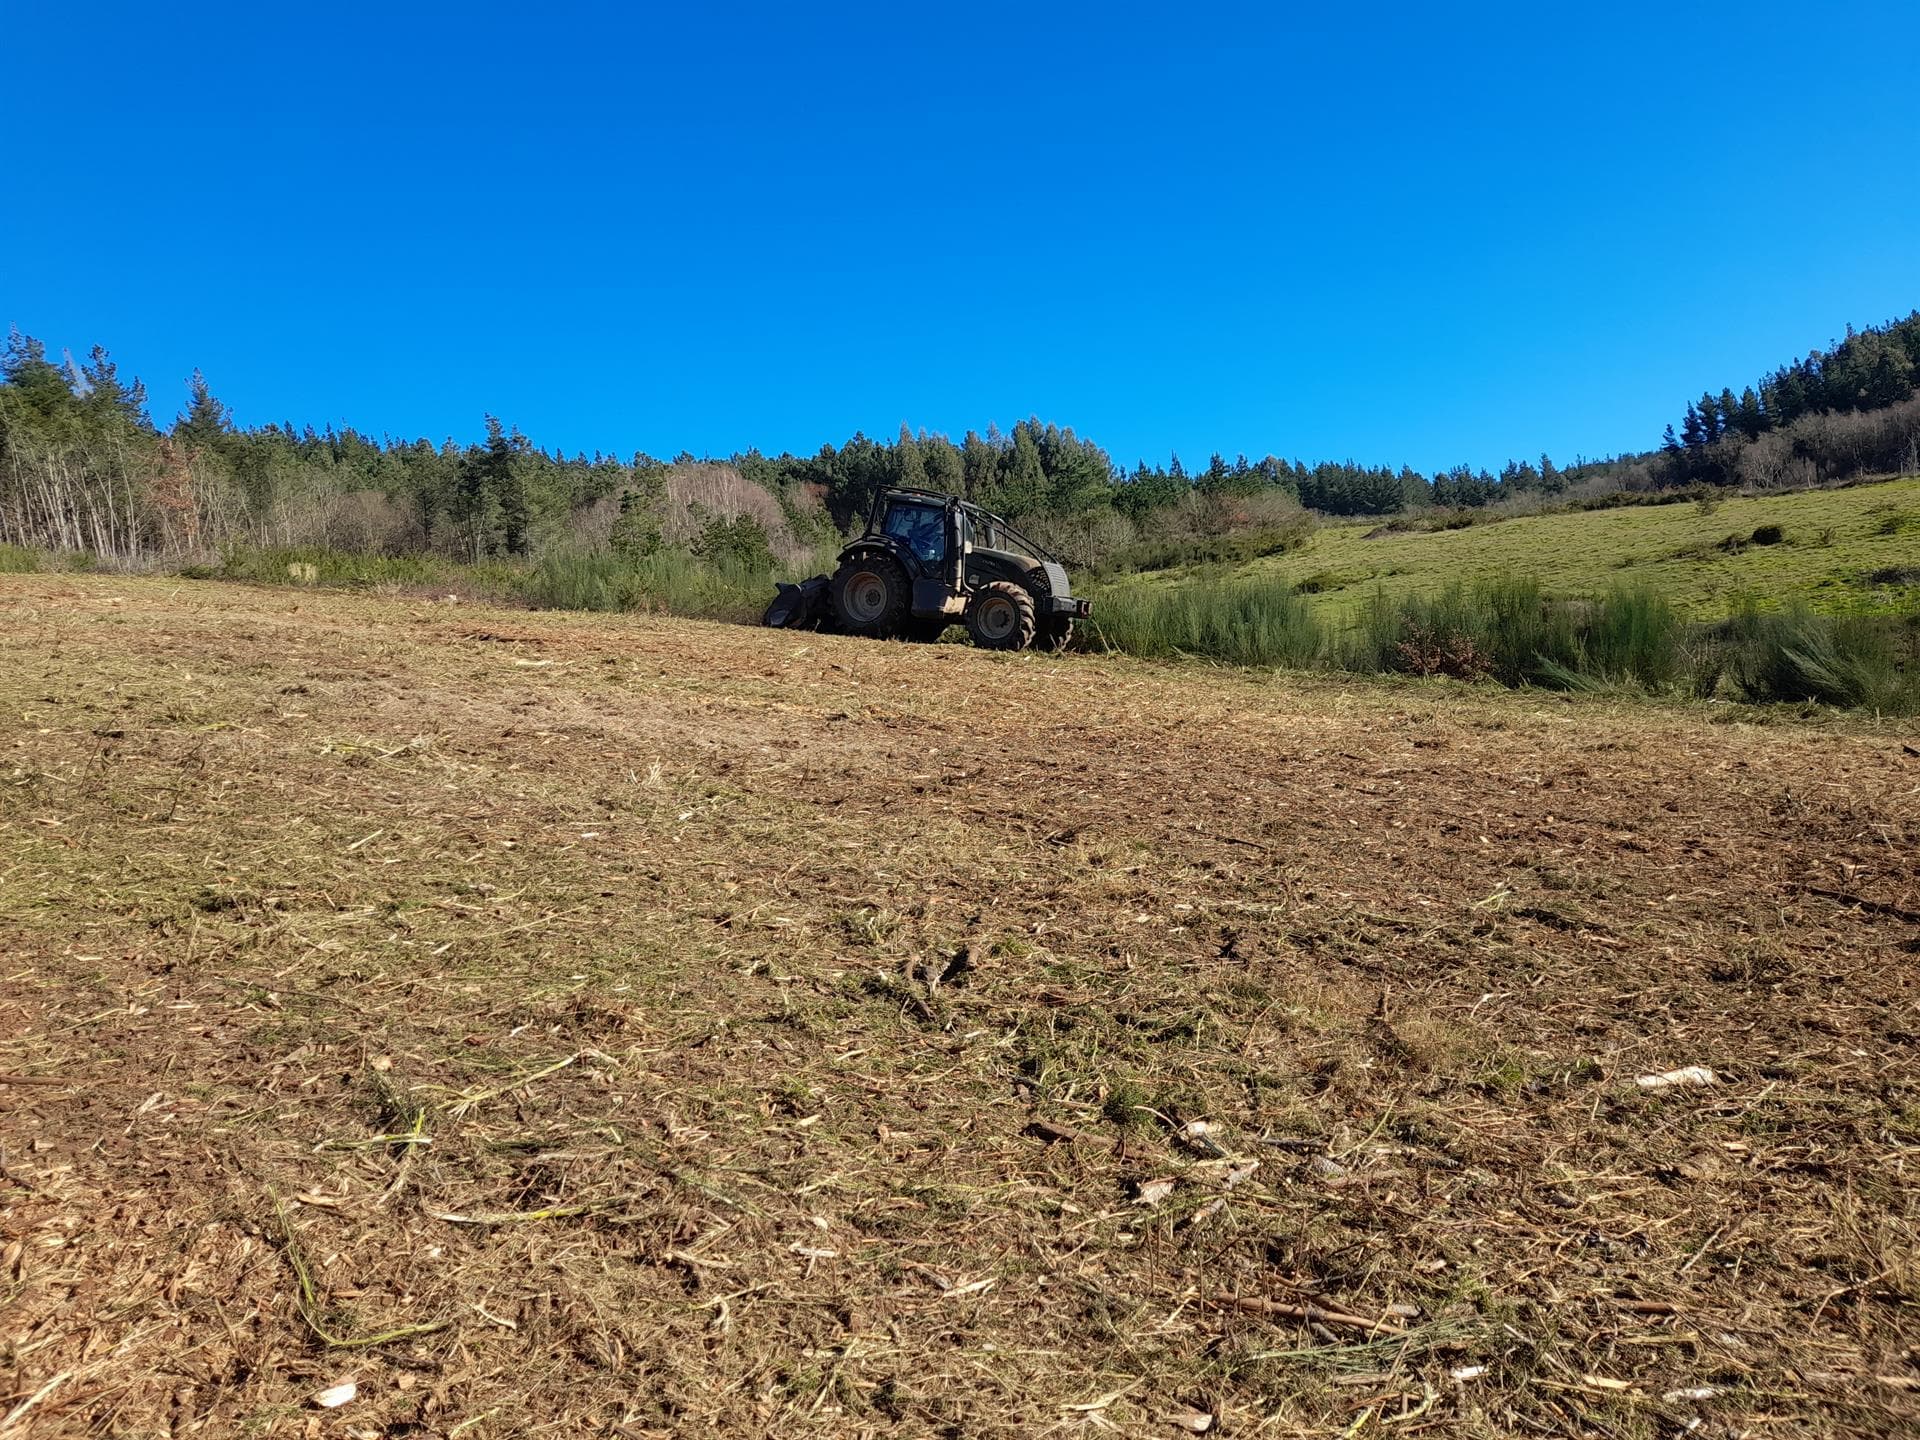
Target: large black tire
x=870, y=596
x=1000, y=616
x=1057, y=634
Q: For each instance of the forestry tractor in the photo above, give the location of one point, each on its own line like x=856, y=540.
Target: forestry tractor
x=928, y=560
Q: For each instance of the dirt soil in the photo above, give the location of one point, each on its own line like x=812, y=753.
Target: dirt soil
x=564, y=1025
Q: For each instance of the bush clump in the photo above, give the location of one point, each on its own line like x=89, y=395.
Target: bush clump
x=1238, y=622
x=1512, y=631
x=1857, y=662
x=322, y=565
x=669, y=582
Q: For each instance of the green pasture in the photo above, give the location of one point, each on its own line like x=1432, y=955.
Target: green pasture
x=1851, y=551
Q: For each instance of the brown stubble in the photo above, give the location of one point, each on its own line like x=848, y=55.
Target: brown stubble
x=648, y=1024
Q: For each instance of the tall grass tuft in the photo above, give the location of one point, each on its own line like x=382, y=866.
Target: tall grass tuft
x=1855, y=661
x=668, y=581
x=1510, y=630
x=1633, y=635
x=1240, y=622
x=321, y=565
x=18, y=560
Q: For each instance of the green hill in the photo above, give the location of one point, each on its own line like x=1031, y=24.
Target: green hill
x=1847, y=551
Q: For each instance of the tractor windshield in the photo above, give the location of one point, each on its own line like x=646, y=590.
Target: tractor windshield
x=921, y=528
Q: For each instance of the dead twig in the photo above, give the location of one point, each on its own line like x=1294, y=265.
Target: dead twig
x=1310, y=1314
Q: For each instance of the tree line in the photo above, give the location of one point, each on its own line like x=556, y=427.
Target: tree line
x=84, y=467
x=1848, y=409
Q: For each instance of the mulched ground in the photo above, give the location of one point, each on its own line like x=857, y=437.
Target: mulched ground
x=570, y=1025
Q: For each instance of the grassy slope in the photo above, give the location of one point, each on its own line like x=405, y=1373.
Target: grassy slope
x=750, y=990
x=1669, y=547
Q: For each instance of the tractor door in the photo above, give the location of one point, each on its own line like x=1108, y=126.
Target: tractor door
x=920, y=531
x=924, y=536
x=959, y=546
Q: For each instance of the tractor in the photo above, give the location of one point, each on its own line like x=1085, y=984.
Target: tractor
x=928, y=560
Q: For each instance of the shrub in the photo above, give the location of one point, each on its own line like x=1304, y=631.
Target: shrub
x=1095, y=540
x=1511, y=631
x=1240, y=622
x=18, y=560
x=696, y=491
x=1237, y=547
x=1424, y=650
x=1216, y=529
x=1768, y=535
x=320, y=565
x=740, y=542
x=1890, y=575
x=670, y=581
x=1321, y=582
x=1632, y=635
x=1854, y=661
x=637, y=530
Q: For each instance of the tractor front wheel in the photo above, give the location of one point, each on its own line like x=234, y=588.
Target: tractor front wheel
x=870, y=596
x=1000, y=616
x=1057, y=634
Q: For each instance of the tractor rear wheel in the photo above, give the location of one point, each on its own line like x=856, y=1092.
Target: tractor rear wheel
x=1000, y=616
x=870, y=596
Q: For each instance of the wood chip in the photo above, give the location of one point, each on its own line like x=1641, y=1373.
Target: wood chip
x=334, y=1396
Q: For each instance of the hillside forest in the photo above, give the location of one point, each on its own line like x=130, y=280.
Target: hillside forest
x=85, y=468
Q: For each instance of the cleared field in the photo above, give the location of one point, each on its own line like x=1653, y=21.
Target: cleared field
x=555, y=1024
x=1835, y=542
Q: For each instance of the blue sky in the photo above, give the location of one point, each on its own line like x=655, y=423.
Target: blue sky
x=1415, y=234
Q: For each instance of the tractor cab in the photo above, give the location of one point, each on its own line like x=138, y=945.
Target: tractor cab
x=925, y=530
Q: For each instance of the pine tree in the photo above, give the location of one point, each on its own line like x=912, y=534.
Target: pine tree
x=469, y=500
x=503, y=478
x=107, y=398
x=1712, y=423
x=908, y=468
x=1023, y=481
x=979, y=467
x=36, y=382
x=1693, y=431
x=945, y=469
x=206, y=422
x=641, y=528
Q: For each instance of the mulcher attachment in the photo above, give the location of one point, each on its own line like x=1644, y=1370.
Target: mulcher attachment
x=799, y=607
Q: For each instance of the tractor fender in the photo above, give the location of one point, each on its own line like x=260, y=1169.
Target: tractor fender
x=871, y=546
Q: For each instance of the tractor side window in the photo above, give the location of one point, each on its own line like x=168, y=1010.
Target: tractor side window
x=921, y=528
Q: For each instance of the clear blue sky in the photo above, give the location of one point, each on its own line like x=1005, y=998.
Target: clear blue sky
x=1414, y=233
